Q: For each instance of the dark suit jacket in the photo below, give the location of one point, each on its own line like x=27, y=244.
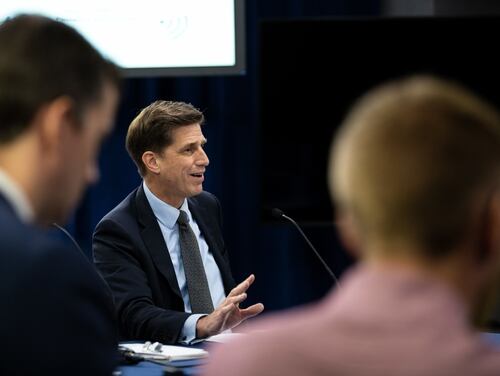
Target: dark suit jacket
x=55, y=317
x=131, y=255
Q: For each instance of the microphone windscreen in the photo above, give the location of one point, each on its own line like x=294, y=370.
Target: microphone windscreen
x=277, y=213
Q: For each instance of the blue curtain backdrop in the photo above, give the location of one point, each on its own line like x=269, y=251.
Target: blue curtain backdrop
x=287, y=272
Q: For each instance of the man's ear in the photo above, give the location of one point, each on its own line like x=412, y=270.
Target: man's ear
x=349, y=233
x=490, y=233
x=487, y=269
x=51, y=121
x=150, y=160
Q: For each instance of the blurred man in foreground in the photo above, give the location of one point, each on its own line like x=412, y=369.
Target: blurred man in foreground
x=57, y=102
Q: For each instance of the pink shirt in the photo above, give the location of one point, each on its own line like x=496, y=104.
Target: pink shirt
x=380, y=323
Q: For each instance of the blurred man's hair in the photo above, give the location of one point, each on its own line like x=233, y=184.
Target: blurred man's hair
x=151, y=130
x=411, y=162
x=42, y=59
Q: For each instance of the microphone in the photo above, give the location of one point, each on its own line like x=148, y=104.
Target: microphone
x=277, y=213
x=108, y=289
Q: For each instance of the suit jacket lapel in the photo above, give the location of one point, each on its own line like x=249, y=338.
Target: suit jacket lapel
x=154, y=241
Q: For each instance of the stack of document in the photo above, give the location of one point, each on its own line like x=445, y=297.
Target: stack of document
x=167, y=353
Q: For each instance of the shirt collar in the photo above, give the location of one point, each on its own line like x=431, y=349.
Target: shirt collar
x=16, y=198
x=165, y=213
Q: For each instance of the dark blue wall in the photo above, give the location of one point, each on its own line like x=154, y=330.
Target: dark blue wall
x=287, y=272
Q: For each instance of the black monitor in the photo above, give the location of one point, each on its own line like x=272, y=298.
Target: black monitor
x=311, y=71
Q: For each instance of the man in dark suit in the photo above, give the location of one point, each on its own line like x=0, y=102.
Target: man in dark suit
x=161, y=249
x=57, y=101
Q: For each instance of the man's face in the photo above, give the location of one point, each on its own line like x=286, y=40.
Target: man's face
x=78, y=155
x=182, y=165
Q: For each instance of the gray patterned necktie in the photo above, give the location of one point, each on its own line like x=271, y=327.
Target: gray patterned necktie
x=196, y=279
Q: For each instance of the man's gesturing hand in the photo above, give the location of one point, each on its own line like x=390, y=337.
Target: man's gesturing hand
x=228, y=314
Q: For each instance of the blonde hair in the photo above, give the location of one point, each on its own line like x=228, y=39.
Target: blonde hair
x=411, y=160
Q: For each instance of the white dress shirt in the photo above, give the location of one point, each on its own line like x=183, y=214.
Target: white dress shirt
x=16, y=197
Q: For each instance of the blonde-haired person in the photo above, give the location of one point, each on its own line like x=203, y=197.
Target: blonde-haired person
x=414, y=172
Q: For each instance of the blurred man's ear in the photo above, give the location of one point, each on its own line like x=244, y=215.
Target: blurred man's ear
x=349, y=233
x=50, y=121
x=488, y=266
x=489, y=252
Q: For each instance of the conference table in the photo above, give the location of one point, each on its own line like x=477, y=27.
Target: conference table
x=147, y=368
x=493, y=338
x=192, y=367
x=176, y=367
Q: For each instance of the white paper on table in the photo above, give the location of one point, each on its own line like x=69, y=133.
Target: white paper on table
x=167, y=352
x=224, y=337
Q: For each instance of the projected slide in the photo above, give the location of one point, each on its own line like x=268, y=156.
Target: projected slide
x=148, y=33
